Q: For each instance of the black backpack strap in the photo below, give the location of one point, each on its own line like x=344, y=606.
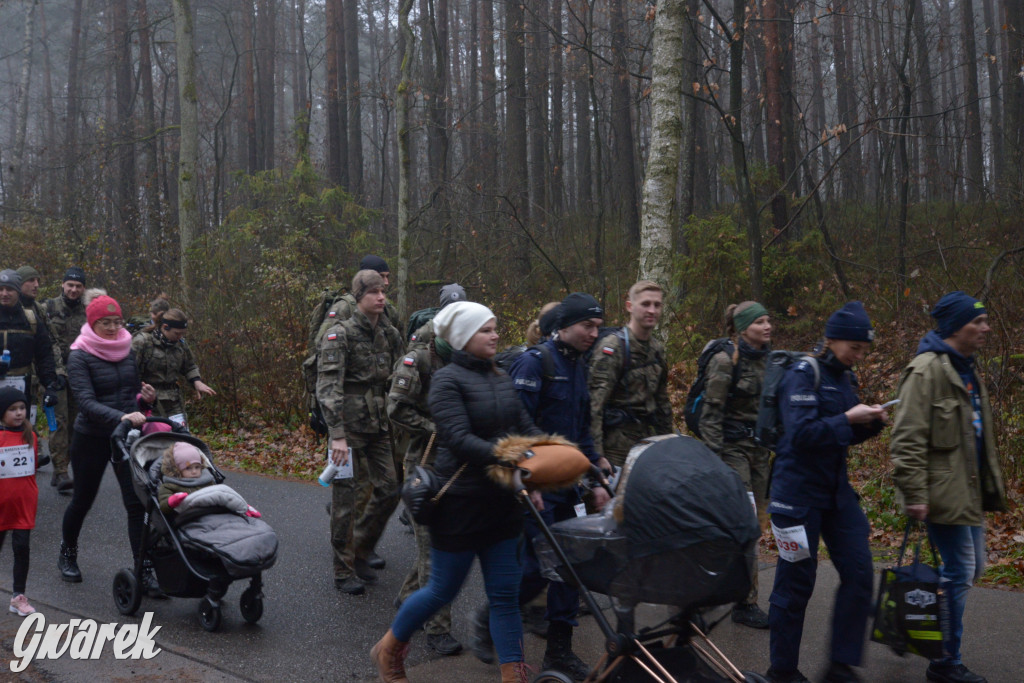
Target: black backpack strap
x=546, y=361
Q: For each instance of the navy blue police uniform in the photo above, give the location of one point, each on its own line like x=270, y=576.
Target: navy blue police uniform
x=810, y=487
x=559, y=403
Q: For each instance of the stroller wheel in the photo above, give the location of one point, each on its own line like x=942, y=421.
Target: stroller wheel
x=251, y=605
x=209, y=615
x=551, y=676
x=751, y=677
x=127, y=592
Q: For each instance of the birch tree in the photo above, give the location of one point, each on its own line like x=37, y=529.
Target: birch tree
x=659, y=192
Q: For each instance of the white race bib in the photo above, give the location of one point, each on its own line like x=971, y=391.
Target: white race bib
x=178, y=419
x=753, y=503
x=792, y=542
x=17, y=461
x=14, y=382
x=580, y=509
x=346, y=471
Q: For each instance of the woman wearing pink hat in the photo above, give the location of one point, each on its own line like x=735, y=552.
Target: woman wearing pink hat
x=105, y=382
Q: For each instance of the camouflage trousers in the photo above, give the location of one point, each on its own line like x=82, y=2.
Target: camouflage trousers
x=619, y=440
x=67, y=411
x=362, y=504
x=751, y=462
x=441, y=621
x=165, y=407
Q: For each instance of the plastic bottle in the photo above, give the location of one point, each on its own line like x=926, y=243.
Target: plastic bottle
x=328, y=474
x=6, y=357
x=51, y=417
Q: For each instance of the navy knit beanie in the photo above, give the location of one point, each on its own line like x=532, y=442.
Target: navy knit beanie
x=577, y=307
x=74, y=273
x=955, y=310
x=372, y=262
x=850, y=323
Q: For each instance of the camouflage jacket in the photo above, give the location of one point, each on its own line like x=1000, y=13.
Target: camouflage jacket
x=352, y=374
x=342, y=310
x=422, y=337
x=66, y=320
x=407, y=400
x=39, y=313
x=641, y=395
x=162, y=363
x=730, y=410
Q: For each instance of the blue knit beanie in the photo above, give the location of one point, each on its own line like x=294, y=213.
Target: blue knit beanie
x=850, y=323
x=955, y=310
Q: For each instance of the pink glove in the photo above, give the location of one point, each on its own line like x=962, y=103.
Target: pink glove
x=252, y=512
x=175, y=499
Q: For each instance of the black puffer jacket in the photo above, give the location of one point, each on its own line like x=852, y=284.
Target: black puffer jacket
x=473, y=405
x=105, y=391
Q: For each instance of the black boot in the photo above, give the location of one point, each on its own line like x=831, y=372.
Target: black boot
x=149, y=582
x=67, y=563
x=480, y=643
x=559, y=655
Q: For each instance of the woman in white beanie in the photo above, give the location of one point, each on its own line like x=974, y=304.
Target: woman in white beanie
x=474, y=405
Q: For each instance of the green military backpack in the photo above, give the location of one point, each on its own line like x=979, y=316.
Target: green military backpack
x=309, y=366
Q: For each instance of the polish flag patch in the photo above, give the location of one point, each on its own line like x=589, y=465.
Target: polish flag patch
x=409, y=360
x=332, y=314
x=608, y=351
x=332, y=336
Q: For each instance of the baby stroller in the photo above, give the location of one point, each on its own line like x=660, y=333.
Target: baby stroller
x=197, y=554
x=681, y=533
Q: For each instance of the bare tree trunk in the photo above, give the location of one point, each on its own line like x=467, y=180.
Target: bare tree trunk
x=537, y=89
x=353, y=91
x=266, y=52
x=437, y=106
x=557, y=115
x=406, y=51
x=904, y=180
x=249, y=86
x=659, y=211
x=336, y=171
x=21, y=133
x=188, y=155
x=488, y=103
x=975, y=143
x=994, y=95
x=847, y=99
x=581, y=96
x=1013, y=99
x=126, y=208
x=624, y=188
x=929, y=122
x=515, y=128
x=150, y=181
x=71, y=117
x=735, y=124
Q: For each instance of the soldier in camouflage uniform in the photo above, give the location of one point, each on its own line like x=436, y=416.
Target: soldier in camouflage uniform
x=344, y=305
x=356, y=358
x=408, y=412
x=162, y=357
x=66, y=314
x=34, y=310
x=732, y=398
x=629, y=388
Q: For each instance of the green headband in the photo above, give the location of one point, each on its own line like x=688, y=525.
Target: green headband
x=742, y=319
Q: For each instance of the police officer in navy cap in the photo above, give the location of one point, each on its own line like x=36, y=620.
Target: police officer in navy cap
x=811, y=498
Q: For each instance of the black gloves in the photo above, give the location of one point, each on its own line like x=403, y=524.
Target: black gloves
x=60, y=384
x=50, y=397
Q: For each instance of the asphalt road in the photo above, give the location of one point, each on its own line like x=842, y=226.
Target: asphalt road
x=310, y=632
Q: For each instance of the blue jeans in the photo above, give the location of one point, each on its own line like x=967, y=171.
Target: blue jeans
x=962, y=549
x=502, y=570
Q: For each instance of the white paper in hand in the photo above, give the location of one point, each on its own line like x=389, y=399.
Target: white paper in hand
x=792, y=542
x=345, y=471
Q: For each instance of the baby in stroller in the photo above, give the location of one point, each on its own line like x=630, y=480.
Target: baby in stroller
x=186, y=471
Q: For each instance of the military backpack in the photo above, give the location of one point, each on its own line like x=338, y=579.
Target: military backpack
x=694, y=406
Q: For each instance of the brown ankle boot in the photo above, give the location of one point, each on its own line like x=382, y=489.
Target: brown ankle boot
x=514, y=672
x=389, y=656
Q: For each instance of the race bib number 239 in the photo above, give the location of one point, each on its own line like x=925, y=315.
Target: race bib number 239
x=792, y=542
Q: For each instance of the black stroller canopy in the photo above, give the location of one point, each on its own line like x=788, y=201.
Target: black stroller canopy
x=679, y=493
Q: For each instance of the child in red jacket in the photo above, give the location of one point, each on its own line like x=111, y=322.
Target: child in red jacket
x=19, y=494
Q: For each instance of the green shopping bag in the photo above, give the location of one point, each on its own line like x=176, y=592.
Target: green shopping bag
x=911, y=611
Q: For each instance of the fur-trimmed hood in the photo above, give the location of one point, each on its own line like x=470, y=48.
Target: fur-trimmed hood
x=567, y=471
